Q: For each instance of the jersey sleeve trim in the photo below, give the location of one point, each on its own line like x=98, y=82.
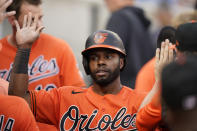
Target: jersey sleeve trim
x=33, y=102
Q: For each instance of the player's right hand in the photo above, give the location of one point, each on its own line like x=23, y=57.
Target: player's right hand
x=29, y=32
x=3, y=6
x=163, y=57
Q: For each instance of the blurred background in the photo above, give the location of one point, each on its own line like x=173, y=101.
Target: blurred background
x=74, y=20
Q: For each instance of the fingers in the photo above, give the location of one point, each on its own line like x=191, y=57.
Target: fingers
x=17, y=25
x=162, y=51
x=40, y=29
x=157, y=55
x=11, y=13
x=24, y=21
x=4, y=4
x=171, y=54
x=35, y=22
x=29, y=19
x=166, y=51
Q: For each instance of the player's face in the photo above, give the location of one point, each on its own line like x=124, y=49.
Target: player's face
x=34, y=9
x=104, y=66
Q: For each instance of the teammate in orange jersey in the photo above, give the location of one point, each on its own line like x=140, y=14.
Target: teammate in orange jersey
x=145, y=81
x=106, y=105
x=186, y=44
x=49, y=65
x=15, y=114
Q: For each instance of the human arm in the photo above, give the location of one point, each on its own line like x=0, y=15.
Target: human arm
x=25, y=36
x=163, y=57
x=149, y=112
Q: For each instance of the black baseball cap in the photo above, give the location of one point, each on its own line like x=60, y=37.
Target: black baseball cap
x=186, y=36
x=179, y=83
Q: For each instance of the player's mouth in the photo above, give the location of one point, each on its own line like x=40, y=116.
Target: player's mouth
x=102, y=72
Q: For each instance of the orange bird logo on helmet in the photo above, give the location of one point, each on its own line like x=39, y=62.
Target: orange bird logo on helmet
x=100, y=37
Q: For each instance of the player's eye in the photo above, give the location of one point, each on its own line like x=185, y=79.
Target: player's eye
x=108, y=56
x=93, y=58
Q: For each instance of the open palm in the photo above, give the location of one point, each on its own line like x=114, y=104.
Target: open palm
x=29, y=32
x=163, y=57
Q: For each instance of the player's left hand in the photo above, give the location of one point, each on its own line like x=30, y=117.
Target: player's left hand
x=163, y=57
x=3, y=6
x=29, y=32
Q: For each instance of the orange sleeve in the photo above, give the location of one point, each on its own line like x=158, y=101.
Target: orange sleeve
x=150, y=115
x=3, y=87
x=46, y=127
x=45, y=106
x=145, y=78
x=70, y=74
x=26, y=120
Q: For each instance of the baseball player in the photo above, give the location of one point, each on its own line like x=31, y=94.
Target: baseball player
x=15, y=114
x=179, y=94
x=106, y=105
x=146, y=79
x=185, y=43
x=49, y=66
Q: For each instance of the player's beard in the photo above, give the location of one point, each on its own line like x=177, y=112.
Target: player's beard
x=106, y=81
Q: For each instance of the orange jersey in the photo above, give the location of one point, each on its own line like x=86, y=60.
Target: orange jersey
x=51, y=64
x=146, y=77
x=73, y=108
x=3, y=87
x=46, y=127
x=149, y=117
x=15, y=115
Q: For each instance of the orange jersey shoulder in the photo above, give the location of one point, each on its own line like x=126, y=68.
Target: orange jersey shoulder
x=146, y=78
x=16, y=115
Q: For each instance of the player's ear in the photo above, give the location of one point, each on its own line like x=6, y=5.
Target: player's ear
x=121, y=63
x=11, y=20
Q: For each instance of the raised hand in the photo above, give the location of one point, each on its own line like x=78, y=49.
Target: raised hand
x=163, y=57
x=3, y=6
x=29, y=32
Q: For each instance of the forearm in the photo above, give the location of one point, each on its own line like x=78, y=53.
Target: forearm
x=149, y=115
x=18, y=85
x=150, y=95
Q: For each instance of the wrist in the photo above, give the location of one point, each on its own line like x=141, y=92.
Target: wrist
x=21, y=61
x=24, y=46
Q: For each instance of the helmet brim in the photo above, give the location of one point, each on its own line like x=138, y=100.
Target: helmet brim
x=102, y=46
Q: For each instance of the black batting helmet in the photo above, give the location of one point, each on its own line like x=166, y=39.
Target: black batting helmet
x=103, y=39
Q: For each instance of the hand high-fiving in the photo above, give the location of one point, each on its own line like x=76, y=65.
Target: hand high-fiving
x=163, y=57
x=29, y=32
x=3, y=6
